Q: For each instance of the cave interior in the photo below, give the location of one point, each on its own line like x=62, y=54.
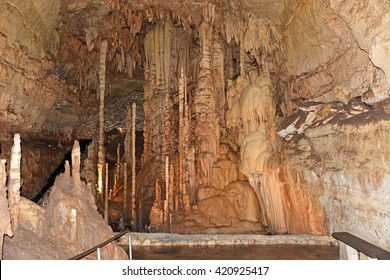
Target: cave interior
x=192, y=117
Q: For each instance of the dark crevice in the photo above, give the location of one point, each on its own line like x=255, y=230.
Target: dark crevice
x=60, y=169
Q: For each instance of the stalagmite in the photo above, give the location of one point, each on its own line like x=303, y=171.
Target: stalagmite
x=125, y=214
x=259, y=160
x=106, y=196
x=171, y=199
x=5, y=219
x=14, y=182
x=167, y=185
x=102, y=89
x=133, y=165
x=117, y=168
x=76, y=163
x=128, y=160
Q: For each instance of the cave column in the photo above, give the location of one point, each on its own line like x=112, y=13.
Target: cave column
x=183, y=142
x=5, y=219
x=204, y=104
x=133, y=165
x=102, y=88
x=15, y=182
x=158, y=133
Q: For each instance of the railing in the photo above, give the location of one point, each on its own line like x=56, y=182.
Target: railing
x=97, y=247
x=360, y=246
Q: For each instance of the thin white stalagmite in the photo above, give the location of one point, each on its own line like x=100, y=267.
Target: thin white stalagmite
x=117, y=168
x=166, y=201
x=167, y=178
x=14, y=182
x=106, y=196
x=125, y=191
x=127, y=156
x=5, y=219
x=133, y=174
x=102, y=88
x=171, y=198
x=76, y=164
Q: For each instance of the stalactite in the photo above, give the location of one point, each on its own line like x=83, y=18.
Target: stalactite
x=102, y=89
x=5, y=219
x=76, y=163
x=219, y=79
x=158, y=48
x=14, y=182
x=130, y=66
x=133, y=165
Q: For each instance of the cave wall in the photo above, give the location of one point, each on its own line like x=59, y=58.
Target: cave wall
x=335, y=53
x=35, y=99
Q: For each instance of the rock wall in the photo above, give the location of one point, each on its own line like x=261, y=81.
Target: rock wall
x=335, y=87
x=35, y=100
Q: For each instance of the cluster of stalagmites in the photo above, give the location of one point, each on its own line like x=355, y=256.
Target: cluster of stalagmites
x=207, y=167
x=68, y=225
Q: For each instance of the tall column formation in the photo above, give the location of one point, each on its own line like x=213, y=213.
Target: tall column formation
x=5, y=219
x=102, y=89
x=14, y=182
x=133, y=165
x=159, y=137
x=259, y=159
x=206, y=127
x=183, y=143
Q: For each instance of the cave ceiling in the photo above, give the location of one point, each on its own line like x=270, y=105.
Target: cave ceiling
x=80, y=26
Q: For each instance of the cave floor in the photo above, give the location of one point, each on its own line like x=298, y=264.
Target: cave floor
x=236, y=252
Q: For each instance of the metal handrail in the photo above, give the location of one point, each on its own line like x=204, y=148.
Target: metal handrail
x=97, y=247
x=362, y=246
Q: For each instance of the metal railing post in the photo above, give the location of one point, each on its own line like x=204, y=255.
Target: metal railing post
x=98, y=253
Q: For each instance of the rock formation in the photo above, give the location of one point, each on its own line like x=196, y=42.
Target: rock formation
x=69, y=225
